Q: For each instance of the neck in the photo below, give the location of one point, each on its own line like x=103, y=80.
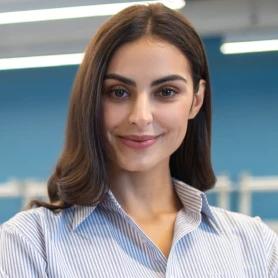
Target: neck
x=147, y=194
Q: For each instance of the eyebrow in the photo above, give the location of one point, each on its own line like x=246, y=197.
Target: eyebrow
x=159, y=81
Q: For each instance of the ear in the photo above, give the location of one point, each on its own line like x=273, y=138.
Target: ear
x=198, y=99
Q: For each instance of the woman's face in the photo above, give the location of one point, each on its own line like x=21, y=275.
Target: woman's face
x=148, y=91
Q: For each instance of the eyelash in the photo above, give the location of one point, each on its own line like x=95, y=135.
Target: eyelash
x=164, y=89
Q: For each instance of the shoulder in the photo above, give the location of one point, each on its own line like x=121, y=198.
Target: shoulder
x=234, y=219
x=35, y=224
x=245, y=228
x=25, y=240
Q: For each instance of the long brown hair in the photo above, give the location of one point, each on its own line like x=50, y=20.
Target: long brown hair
x=81, y=176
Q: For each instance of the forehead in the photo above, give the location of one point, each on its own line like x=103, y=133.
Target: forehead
x=148, y=57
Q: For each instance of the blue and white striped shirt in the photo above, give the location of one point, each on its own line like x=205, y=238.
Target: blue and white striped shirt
x=103, y=241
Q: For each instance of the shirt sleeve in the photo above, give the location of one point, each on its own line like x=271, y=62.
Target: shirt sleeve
x=18, y=256
x=271, y=244
x=271, y=240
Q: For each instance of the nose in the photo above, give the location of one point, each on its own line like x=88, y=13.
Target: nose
x=141, y=111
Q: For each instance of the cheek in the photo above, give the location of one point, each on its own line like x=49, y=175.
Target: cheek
x=176, y=117
x=113, y=115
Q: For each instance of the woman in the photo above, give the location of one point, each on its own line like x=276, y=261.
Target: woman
x=127, y=193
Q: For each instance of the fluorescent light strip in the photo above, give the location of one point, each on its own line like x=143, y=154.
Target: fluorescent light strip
x=249, y=47
x=41, y=61
x=77, y=12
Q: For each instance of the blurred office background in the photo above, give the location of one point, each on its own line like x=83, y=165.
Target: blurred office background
x=33, y=101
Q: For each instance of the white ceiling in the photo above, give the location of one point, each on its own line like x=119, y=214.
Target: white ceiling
x=210, y=17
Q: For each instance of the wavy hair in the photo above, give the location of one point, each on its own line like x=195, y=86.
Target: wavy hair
x=81, y=176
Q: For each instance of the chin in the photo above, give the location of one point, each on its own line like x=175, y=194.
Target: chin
x=136, y=167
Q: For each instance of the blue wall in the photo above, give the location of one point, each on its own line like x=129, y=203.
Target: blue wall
x=245, y=128
x=33, y=108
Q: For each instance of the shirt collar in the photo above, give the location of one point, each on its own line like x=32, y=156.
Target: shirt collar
x=195, y=200
x=80, y=214
x=192, y=199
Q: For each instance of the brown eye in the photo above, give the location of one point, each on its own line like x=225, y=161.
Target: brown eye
x=118, y=93
x=167, y=93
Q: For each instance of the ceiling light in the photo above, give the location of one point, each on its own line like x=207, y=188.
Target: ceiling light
x=77, y=12
x=250, y=41
x=249, y=47
x=41, y=61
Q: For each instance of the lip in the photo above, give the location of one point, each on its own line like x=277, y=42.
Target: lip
x=140, y=137
x=139, y=142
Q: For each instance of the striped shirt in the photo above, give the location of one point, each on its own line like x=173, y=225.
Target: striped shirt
x=103, y=241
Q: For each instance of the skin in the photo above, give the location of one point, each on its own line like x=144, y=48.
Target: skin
x=141, y=178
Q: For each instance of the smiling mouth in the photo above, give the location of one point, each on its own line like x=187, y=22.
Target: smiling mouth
x=136, y=142
x=140, y=138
